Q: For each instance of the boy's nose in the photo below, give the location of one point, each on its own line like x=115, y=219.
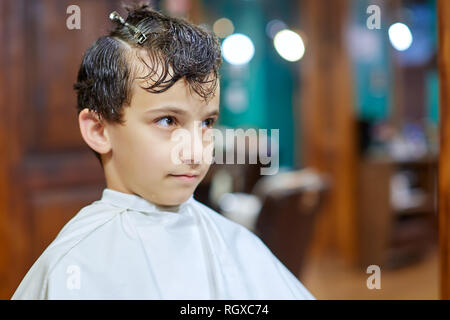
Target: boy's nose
x=192, y=152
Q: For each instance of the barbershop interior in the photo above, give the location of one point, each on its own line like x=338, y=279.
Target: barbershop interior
x=344, y=96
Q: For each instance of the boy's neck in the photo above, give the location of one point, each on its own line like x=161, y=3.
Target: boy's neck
x=169, y=208
x=174, y=208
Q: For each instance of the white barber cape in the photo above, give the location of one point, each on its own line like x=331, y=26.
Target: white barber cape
x=124, y=247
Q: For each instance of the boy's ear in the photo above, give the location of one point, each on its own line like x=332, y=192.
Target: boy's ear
x=93, y=131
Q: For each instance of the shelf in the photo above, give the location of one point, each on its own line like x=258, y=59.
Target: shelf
x=392, y=236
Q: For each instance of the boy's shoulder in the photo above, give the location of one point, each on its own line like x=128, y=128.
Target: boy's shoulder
x=224, y=223
x=95, y=217
x=255, y=258
x=232, y=232
x=97, y=240
x=83, y=224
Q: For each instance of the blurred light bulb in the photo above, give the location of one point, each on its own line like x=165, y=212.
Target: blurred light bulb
x=274, y=26
x=223, y=27
x=400, y=36
x=238, y=49
x=289, y=45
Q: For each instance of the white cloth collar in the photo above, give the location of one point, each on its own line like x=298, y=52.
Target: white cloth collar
x=137, y=203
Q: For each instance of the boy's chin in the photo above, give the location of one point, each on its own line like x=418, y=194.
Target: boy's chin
x=176, y=199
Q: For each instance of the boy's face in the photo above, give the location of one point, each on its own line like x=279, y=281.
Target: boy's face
x=144, y=158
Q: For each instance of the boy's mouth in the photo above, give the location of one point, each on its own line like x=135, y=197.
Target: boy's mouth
x=187, y=177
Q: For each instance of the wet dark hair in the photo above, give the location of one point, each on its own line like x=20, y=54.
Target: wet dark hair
x=175, y=48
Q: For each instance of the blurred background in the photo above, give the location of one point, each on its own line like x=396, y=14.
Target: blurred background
x=352, y=86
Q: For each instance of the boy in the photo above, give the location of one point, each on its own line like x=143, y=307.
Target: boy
x=147, y=237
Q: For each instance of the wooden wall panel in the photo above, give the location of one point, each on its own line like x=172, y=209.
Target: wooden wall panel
x=58, y=51
x=14, y=232
x=328, y=121
x=47, y=173
x=444, y=156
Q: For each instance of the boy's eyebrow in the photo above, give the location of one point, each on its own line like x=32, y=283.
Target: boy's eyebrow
x=177, y=110
x=172, y=109
x=213, y=113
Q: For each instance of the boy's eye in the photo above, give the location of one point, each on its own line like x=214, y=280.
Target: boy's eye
x=208, y=123
x=166, y=121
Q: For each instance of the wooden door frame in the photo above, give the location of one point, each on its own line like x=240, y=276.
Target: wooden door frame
x=443, y=10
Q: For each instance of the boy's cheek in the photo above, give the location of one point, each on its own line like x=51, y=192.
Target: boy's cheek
x=205, y=169
x=153, y=154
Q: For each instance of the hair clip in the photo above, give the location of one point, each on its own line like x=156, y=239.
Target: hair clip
x=137, y=34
